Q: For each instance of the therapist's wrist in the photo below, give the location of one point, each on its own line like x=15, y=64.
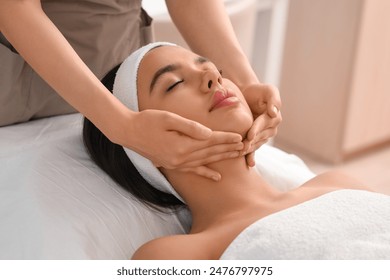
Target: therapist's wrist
x=125, y=132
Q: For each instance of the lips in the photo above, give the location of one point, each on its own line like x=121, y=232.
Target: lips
x=223, y=98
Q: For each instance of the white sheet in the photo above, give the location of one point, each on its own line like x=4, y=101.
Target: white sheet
x=344, y=224
x=55, y=203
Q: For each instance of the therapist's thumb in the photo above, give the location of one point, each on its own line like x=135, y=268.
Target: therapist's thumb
x=188, y=127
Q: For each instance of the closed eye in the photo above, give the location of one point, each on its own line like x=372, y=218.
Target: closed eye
x=171, y=87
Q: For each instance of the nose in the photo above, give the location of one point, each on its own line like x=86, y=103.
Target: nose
x=210, y=80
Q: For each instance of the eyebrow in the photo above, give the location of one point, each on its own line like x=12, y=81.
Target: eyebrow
x=171, y=68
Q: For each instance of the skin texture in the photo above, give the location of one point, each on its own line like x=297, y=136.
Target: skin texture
x=220, y=210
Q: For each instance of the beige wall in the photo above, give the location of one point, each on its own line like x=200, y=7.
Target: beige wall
x=368, y=118
x=336, y=60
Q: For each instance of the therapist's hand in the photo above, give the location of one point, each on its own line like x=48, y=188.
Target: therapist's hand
x=264, y=101
x=173, y=142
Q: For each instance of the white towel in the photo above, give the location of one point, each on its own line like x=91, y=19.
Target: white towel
x=344, y=224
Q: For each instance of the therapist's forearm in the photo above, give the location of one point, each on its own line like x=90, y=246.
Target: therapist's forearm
x=207, y=29
x=44, y=48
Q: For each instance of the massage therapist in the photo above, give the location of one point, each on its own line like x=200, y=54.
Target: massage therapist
x=54, y=53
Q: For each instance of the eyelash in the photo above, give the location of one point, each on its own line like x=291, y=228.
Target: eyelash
x=174, y=85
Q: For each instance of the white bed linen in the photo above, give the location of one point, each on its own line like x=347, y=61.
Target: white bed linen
x=55, y=203
x=344, y=224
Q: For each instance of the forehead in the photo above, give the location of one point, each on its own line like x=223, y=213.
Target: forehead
x=165, y=55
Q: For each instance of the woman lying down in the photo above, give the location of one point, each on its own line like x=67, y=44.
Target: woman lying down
x=331, y=216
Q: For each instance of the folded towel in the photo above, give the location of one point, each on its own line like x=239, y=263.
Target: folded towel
x=344, y=224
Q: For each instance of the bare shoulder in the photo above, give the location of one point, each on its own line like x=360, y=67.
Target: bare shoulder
x=320, y=185
x=337, y=180
x=159, y=248
x=173, y=247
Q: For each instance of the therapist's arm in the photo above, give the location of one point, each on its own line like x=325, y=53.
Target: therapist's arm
x=45, y=49
x=207, y=29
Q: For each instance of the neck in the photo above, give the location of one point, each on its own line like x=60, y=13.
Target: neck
x=211, y=202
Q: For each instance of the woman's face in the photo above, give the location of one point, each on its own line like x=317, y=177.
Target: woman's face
x=174, y=79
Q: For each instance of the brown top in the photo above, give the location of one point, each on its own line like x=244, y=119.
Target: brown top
x=102, y=32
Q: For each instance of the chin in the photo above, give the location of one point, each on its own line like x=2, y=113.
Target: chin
x=242, y=127
x=236, y=122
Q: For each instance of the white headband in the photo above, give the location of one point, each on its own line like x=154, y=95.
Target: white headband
x=125, y=89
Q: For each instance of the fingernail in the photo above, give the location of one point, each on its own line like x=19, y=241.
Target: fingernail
x=215, y=178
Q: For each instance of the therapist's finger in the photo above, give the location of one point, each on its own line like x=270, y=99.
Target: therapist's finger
x=259, y=124
x=254, y=146
x=215, y=151
x=191, y=153
x=204, y=160
x=272, y=110
x=258, y=142
x=206, y=156
x=203, y=171
x=250, y=159
x=187, y=127
x=221, y=137
x=247, y=145
x=214, y=146
x=262, y=127
x=219, y=143
x=274, y=103
x=198, y=131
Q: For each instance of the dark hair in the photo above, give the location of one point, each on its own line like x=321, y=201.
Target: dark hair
x=112, y=159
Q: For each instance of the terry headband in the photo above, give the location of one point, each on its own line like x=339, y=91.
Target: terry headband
x=125, y=89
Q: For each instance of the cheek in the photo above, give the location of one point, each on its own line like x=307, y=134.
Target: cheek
x=192, y=108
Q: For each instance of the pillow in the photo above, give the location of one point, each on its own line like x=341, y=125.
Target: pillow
x=55, y=203
x=282, y=170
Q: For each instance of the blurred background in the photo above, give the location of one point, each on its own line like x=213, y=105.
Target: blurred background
x=331, y=62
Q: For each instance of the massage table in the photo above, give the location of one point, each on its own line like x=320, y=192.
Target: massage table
x=55, y=203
